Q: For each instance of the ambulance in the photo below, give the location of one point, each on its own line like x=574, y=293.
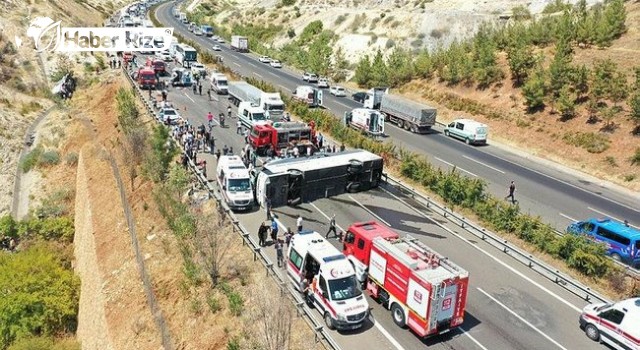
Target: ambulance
x=334, y=288
x=234, y=182
x=616, y=324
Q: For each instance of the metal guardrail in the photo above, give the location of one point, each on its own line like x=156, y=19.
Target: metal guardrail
x=321, y=334
x=505, y=246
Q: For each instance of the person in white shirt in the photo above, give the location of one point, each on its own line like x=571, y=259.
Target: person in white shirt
x=296, y=152
x=299, y=223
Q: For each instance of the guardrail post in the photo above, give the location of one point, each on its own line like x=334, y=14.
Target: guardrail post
x=318, y=331
x=462, y=222
x=269, y=267
x=245, y=237
x=444, y=211
x=256, y=251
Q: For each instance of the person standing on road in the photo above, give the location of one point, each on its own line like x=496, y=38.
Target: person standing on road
x=267, y=204
x=332, y=227
x=229, y=111
x=274, y=230
x=195, y=86
x=210, y=119
x=299, y=223
x=262, y=234
x=279, y=254
x=209, y=94
x=238, y=127
x=512, y=191
x=245, y=133
x=200, y=89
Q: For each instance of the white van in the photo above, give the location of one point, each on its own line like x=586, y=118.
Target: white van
x=467, y=130
x=219, y=83
x=235, y=182
x=617, y=325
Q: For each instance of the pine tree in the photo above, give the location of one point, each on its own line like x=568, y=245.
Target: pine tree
x=615, y=15
x=363, y=72
x=618, y=89
x=603, y=73
x=521, y=60
x=379, y=70
x=580, y=80
x=400, y=67
x=566, y=102
x=634, y=105
x=486, y=70
x=424, y=65
x=319, y=56
x=534, y=90
x=560, y=69
x=636, y=83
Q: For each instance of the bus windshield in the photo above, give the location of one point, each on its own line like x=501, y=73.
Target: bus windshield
x=275, y=107
x=258, y=116
x=344, y=288
x=190, y=55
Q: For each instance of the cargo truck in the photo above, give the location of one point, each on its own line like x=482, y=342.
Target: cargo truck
x=207, y=30
x=294, y=180
x=406, y=114
x=270, y=102
x=424, y=290
x=239, y=43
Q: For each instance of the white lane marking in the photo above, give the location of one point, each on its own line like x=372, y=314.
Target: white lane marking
x=283, y=87
x=189, y=97
x=326, y=216
x=472, y=338
x=504, y=264
x=236, y=63
x=274, y=74
x=342, y=104
x=521, y=319
x=370, y=212
x=567, y=217
x=388, y=335
x=258, y=75
x=252, y=65
x=609, y=216
x=481, y=163
x=454, y=166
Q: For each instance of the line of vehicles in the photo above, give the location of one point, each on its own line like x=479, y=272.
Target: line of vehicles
x=423, y=290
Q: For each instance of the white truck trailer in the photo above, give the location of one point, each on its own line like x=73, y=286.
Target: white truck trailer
x=239, y=43
x=270, y=102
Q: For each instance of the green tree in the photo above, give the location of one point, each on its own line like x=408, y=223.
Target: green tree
x=520, y=13
x=618, y=88
x=379, y=70
x=580, y=80
x=636, y=82
x=486, y=69
x=159, y=158
x=634, y=105
x=39, y=294
x=615, y=16
x=400, y=67
x=319, y=57
x=424, y=65
x=566, y=103
x=604, y=72
x=534, y=90
x=521, y=60
x=363, y=72
x=560, y=69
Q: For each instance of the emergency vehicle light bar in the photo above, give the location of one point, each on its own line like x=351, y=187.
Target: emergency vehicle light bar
x=305, y=232
x=334, y=258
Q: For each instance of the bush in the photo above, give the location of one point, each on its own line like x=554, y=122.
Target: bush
x=31, y=159
x=45, y=343
x=592, y=142
x=340, y=19
x=49, y=158
x=71, y=158
x=635, y=158
x=40, y=294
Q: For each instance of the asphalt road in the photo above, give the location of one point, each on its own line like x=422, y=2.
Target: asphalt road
x=509, y=306
x=558, y=197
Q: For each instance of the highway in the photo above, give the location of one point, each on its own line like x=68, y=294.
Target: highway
x=558, y=197
x=508, y=307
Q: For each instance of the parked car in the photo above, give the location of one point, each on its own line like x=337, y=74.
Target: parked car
x=275, y=64
x=264, y=59
x=169, y=116
x=221, y=41
x=359, y=96
x=323, y=83
x=198, y=32
x=197, y=68
x=467, y=130
x=216, y=48
x=337, y=91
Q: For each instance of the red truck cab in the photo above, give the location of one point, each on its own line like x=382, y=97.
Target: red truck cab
x=146, y=77
x=158, y=65
x=281, y=135
x=127, y=56
x=357, y=240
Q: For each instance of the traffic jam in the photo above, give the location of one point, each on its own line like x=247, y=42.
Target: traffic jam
x=285, y=162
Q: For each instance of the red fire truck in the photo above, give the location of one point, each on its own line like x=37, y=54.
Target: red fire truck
x=282, y=135
x=158, y=66
x=424, y=290
x=146, y=77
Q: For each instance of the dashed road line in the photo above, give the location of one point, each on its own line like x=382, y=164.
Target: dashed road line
x=608, y=215
x=567, y=217
x=236, y=63
x=455, y=166
x=481, y=163
x=257, y=75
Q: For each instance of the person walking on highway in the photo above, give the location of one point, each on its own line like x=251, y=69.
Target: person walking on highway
x=299, y=223
x=200, y=89
x=245, y=133
x=229, y=111
x=262, y=234
x=274, y=230
x=225, y=150
x=209, y=94
x=512, y=191
x=332, y=227
x=238, y=127
x=210, y=119
x=195, y=86
x=267, y=204
x=320, y=139
x=279, y=253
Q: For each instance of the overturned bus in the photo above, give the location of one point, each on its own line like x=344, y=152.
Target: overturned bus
x=295, y=180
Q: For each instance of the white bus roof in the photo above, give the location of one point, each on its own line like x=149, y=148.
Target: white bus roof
x=319, y=161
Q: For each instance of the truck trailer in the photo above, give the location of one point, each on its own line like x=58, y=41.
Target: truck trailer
x=294, y=180
x=424, y=290
x=239, y=43
x=270, y=102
